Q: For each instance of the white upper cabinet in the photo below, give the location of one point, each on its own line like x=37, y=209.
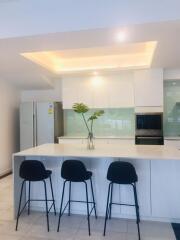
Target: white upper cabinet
x=121, y=93
x=76, y=90
x=141, y=88
x=148, y=88
x=110, y=91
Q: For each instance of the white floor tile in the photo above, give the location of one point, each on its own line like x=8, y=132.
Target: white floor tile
x=75, y=227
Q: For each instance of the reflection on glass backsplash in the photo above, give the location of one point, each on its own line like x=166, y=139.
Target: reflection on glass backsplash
x=172, y=108
x=114, y=122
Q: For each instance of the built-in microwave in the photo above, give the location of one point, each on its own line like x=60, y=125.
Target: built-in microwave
x=149, y=128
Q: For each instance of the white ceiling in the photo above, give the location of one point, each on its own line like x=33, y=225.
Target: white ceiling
x=27, y=75
x=32, y=17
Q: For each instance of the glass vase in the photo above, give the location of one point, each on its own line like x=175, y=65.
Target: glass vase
x=90, y=142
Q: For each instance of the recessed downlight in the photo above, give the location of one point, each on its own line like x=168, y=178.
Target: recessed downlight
x=95, y=73
x=121, y=36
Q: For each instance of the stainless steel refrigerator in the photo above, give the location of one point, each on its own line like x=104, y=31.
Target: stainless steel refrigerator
x=40, y=122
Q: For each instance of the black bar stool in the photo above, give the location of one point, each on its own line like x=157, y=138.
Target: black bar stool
x=75, y=171
x=34, y=171
x=121, y=173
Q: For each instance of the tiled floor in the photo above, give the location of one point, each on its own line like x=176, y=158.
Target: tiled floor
x=72, y=228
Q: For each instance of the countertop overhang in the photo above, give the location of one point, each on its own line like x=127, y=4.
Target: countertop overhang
x=144, y=152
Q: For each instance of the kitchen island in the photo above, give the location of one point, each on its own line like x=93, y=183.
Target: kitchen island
x=158, y=169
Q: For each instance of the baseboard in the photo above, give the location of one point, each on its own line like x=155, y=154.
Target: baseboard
x=101, y=214
x=5, y=173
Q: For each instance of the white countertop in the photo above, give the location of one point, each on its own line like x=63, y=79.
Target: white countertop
x=156, y=152
x=114, y=137
x=99, y=137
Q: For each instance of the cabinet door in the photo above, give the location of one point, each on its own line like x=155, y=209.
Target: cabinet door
x=121, y=93
x=148, y=86
x=100, y=96
x=76, y=90
x=165, y=193
x=26, y=125
x=85, y=93
x=45, y=123
x=143, y=190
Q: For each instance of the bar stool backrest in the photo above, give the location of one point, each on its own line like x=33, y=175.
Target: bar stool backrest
x=73, y=170
x=32, y=170
x=122, y=173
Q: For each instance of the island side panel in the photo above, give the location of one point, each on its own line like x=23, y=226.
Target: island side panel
x=165, y=189
x=17, y=181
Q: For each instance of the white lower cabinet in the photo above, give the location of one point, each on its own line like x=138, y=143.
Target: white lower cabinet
x=165, y=195
x=143, y=190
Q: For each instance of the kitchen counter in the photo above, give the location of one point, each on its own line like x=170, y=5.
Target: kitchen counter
x=157, y=167
x=143, y=152
x=99, y=137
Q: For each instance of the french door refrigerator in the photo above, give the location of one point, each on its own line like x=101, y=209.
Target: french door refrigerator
x=40, y=123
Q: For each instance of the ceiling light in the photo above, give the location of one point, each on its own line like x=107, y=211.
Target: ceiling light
x=121, y=36
x=94, y=60
x=97, y=81
x=95, y=73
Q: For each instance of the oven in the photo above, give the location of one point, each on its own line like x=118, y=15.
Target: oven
x=149, y=129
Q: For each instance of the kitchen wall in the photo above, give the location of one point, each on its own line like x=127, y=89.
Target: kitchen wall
x=54, y=94
x=115, y=122
x=172, y=108
x=120, y=94
x=9, y=125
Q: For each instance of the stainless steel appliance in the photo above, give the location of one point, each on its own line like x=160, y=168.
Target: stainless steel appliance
x=149, y=128
x=40, y=122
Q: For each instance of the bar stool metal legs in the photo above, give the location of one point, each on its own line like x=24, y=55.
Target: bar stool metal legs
x=93, y=198
x=61, y=212
x=137, y=209
x=52, y=193
x=19, y=208
x=47, y=212
x=107, y=208
x=87, y=203
x=29, y=197
x=69, y=210
x=110, y=203
x=29, y=201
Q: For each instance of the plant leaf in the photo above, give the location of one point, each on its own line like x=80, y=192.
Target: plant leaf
x=95, y=115
x=80, y=108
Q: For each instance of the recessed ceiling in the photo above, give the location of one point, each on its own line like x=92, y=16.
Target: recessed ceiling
x=124, y=56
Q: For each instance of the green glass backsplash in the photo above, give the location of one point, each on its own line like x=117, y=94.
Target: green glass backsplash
x=172, y=108
x=114, y=122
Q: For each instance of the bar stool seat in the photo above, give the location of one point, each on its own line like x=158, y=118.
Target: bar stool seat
x=34, y=171
x=122, y=173
x=75, y=171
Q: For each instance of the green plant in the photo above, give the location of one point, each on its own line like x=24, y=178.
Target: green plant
x=81, y=108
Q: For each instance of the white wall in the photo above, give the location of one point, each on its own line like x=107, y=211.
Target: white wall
x=43, y=95
x=171, y=74
x=9, y=125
